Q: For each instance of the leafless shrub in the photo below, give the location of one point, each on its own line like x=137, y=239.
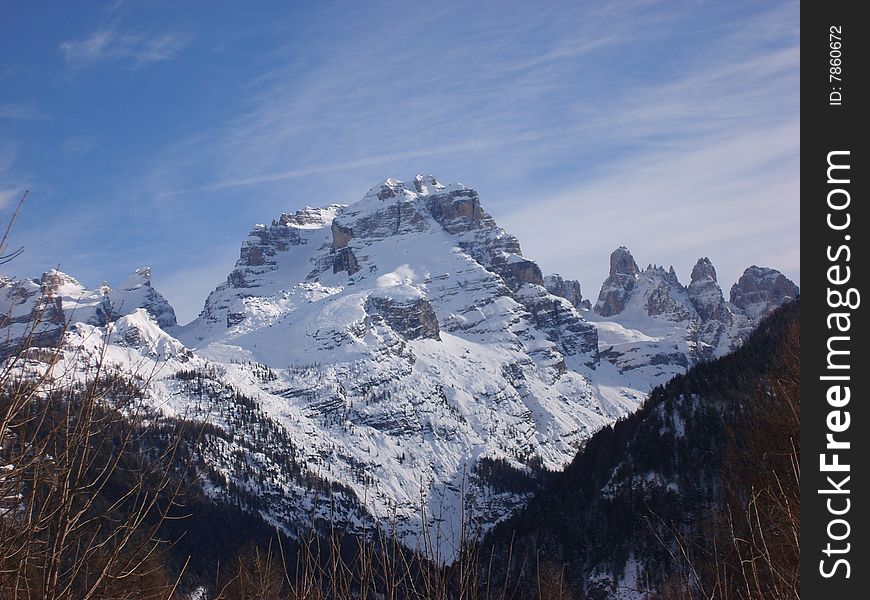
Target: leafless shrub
x=82, y=494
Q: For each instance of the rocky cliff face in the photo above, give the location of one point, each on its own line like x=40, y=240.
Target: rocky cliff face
x=562, y=324
x=134, y=293
x=618, y=286
x=662, y=294
x=407, y=312
x=760, y=290
x=568, y=289
x=705, y=293
x=262, y=269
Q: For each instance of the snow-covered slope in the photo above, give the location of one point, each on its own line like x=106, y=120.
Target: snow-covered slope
x=400, y=352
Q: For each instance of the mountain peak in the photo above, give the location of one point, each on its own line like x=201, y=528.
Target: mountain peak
x=417, y=186
x=307, y=218
x=426, y=184
x=139, y=277
x=54, y=281
x=136, y=292
x=705, y=293
x=387, y=189
x=624, y=273
x=623, y=263
x=761, y=289
x=703, y=270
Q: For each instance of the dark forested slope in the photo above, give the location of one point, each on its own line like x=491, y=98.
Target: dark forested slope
x=676, y=497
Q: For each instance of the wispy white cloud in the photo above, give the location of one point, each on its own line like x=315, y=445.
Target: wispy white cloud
x=20, y=111
x=696, y=158
x=563, y=116
x=394, y=100
x=110, y=44
x=11, y=190
x=714, y=171
x=718, y=199
x=79, y=144
x=9, y=195
x=373, y=101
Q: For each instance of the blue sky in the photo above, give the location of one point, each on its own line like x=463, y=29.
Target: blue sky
x=157, y=133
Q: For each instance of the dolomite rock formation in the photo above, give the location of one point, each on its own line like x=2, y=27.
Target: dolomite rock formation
x=694, y=321
x=568, y=289
x=616, y=288
x=705, y=293
x=760, y=289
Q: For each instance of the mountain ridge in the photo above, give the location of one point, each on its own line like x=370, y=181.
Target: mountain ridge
x=395, y=344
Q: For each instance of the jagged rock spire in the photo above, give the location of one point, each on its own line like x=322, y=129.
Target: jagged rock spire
x=616, y=288
x=705, y=293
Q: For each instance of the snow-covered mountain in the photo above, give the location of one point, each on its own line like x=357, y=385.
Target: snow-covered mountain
x=650, y=323
x=400, y=352
x=43, y=307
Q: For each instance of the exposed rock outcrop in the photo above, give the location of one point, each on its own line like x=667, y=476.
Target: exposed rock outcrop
x=520, y=271
x=137, y=292
x=458, y=211
x=340, y=236
x=760, y=290
x=406, y=311
x=705, y=293
x=616, y=288
x=257, y=269
x=568, y=289
x=663, y=295
x=655, y=291
x=345, y=260
x=563, y=325
x=44, y=308
x=704, y=325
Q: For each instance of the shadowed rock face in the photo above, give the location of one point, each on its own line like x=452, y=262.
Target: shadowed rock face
x=259, y=253
x=259, y=258
x=559, y=319
x=705, y=293
x=520, y=272
x=760, y=290
x=50, y=307
x=568, y=289
x=43, y=309
x=264, y=243
x=413, y=319
x=345, y=260
x=137, y=292
x=616, y=288
x=659, y=293
x=704, y=271
x=457, y=211
x=665, y=295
